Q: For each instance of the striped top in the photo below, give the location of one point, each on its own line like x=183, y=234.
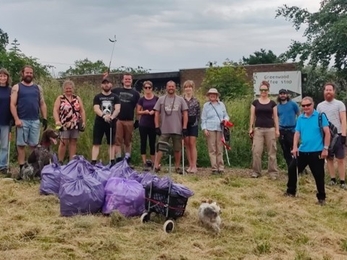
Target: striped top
x=332, y=109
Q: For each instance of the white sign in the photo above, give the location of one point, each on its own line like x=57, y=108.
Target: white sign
x=289, y=80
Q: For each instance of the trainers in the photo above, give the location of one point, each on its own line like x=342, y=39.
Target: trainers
x=145, y=167
x=343, y=186
x=255, y=175
x=287, y=194
x=321, y=202
x=332, y=183
x=178, y=170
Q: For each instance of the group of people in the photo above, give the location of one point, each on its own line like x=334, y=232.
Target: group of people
x=120, y=111
x=304, y=137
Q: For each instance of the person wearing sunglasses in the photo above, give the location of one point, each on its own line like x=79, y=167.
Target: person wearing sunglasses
x=5, y=119
x=264, y=128
x=145, y=110
x=312, y=150
x=287, y=110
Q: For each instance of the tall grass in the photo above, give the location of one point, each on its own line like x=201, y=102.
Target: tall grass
x=238, y=110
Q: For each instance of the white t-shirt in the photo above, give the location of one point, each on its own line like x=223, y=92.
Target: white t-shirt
x=332, y=109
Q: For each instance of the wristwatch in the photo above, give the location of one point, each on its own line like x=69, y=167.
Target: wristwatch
x=326, y=147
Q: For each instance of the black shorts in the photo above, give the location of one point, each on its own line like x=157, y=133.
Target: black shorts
x=102, y=128
x=193, y=130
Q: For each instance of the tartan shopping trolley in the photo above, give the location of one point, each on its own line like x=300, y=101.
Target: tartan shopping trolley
x=164, y=201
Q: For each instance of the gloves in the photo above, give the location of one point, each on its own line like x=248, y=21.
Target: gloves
x=44, y=124
x=11, y=124
x=158, y=131
x=136, y=124
x=184, y=132
x=343, y=139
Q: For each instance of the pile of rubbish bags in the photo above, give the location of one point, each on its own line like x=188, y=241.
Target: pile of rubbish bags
x=84, y=188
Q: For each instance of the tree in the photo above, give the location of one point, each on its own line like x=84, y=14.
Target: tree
x=326, y=35
x=230, y=79
x=86, y=66
x=14, y=62
x=262, y=57
x=15, y=45
x=3, y=40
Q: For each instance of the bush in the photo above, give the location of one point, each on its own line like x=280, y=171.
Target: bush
x=238, y=110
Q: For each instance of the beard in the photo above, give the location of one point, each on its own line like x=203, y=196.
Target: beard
x=171, y=91
x=106, y=89
x=283, y=98
x=27, y=79
x=329, y=97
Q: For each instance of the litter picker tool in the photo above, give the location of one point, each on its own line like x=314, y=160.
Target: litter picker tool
x=114, y=40
x=226, y=125
x=8, y=155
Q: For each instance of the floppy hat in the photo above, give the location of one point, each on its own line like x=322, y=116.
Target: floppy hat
x=212, y=91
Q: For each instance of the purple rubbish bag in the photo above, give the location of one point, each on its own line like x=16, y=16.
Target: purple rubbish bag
x=50, y=178
x=101, y=175
x=126, y=196
x=78, y=162
x=122, y=170
x=80, y=193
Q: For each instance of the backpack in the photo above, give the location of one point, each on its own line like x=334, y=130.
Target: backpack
x=334, y=135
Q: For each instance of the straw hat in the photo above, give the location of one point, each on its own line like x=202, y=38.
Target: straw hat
x=212, y=91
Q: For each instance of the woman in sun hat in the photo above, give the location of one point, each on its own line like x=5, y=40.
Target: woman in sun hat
x=213, y=114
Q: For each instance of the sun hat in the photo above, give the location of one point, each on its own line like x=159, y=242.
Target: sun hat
x=212, y=91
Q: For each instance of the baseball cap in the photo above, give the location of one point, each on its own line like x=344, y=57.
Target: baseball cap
x=107, y=79
x=283, y=91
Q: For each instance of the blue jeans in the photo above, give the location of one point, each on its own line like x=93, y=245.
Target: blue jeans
x=4, y=133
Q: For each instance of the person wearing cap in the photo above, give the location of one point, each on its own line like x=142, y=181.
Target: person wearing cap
x=106, y=107
x=171, y=119
x=287, y=111
x=68, y=110
x=213, y=114
x=264, y=128
x=126, y=125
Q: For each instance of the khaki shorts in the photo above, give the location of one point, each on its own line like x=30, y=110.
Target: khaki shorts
x=176, y=141
x=70, y=134
x=124, y=132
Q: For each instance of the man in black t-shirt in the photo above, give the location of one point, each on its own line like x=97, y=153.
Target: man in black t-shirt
x=106, y=107
x=125, y=121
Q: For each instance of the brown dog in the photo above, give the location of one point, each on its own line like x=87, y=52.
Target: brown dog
x=42, y=155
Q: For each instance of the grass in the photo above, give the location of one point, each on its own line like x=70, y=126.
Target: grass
x=258, y=223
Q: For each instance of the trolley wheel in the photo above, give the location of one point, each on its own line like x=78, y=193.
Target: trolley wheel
x=169, y=226
x=145, y=217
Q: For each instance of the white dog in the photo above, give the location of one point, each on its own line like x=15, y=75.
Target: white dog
x=209, y=214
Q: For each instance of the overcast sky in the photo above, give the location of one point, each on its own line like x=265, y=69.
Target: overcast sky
x=161, y=35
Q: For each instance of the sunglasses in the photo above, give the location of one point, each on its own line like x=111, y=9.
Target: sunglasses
x=306, y=105
x=147, y=87
x=264, y=90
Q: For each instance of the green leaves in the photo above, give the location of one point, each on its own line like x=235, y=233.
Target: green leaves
x=326, y=35
x=230, y=80
x=262, y=57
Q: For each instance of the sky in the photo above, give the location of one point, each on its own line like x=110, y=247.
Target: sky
x=160, y=35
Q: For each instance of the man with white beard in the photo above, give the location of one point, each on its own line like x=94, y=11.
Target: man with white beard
x=335, y=111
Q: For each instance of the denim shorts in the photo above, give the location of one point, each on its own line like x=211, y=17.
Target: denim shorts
x=29, y=133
